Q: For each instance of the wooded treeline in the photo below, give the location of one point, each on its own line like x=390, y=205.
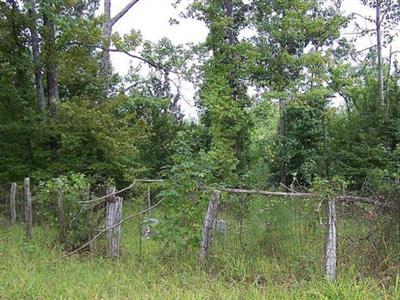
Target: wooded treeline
x=264, y=98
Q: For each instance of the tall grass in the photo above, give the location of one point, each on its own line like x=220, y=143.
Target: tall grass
x=277, y=256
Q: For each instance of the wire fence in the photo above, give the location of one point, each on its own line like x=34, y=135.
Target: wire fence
x=290, y=232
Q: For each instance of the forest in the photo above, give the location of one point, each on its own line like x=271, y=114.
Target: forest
x=285, y=184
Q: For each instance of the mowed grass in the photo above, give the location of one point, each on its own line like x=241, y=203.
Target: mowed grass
x=274, y=266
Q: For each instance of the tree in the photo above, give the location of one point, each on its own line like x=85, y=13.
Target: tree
x=223, y=93
x=288, y=71
x=109, y=22
x=387, y=16
x=37, y=61
x=49, y=11
x=18, y=107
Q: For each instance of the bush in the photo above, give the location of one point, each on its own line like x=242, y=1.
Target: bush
x=80, y=221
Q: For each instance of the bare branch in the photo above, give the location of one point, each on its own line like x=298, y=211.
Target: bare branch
x=122, y=190
x=344, y=198
x=365, y=49
x=119, y=15
x=369, y=19
x=109, y=195
x=266, y=193
x=149, y=62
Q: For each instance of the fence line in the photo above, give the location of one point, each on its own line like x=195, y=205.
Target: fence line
x=331, y=227
x=115, y=225
x=114, y=214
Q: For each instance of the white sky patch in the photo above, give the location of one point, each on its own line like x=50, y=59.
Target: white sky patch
x=151, y=18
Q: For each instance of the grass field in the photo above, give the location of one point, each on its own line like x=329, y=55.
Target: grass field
x=238, y=270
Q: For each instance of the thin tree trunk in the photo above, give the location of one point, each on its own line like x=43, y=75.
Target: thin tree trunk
x=232, y=58
x=36, y=58
x=379, y=54
x=13, y=213
x=281, y=135
x=51, y=63
x=123, y=11
x=106, y=68
x=229, y=14
x=388, y=74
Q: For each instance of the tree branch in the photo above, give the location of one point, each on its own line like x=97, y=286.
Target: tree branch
x=149, y=62
x=122, y=190
x=369, y=19
x=365, y=49
x=119, y=15
x=344, y=198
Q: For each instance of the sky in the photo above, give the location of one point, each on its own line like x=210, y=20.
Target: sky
x=151, y=18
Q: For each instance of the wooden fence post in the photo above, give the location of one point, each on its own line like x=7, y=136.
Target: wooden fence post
x=113, y=217
x=13, y=213
x=28, y=208
x=208, y=225
x=61, y=214
x=116, y=232
x=331, y=242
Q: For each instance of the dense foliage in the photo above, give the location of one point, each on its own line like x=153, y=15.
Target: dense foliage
x=284, y=101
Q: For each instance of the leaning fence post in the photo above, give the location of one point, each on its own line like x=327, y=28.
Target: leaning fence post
x=331, y=242
x=61, y=215
x=13, y=213
x=208, y=225
x=113, y=217
x=28, y=208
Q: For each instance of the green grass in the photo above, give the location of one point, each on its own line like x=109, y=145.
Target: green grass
x=38, y=269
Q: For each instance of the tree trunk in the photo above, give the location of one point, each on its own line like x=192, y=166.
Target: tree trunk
x=51, y=63
x=281, y=135
x=379, y=54
x=13, y=213
x=106, y=68
x=36, y=58
x=229, y=14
